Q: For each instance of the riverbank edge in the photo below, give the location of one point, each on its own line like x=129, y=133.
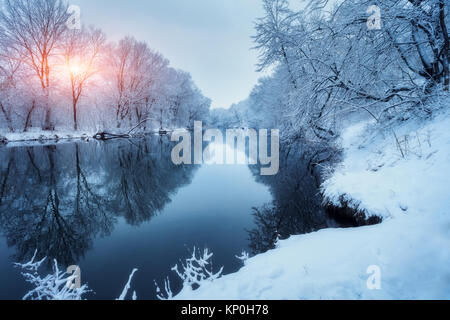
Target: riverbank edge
x=54, y=137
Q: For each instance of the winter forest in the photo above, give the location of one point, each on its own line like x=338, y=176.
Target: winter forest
x=352, y=95
x=333, y=64
x=56, y=75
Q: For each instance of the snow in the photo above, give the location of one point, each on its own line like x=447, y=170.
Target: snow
x=36, y=135
x=375, y=175
x=403, y=182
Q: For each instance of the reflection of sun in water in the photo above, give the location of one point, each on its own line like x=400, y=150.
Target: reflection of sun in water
x=223, y=153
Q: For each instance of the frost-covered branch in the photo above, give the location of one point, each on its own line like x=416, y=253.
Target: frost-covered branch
x=127, y=287
x=195, y=271
x=54, y=286
x=167, y=294
x=243, y=257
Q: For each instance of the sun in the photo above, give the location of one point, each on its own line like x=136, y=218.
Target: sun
x=76, y=69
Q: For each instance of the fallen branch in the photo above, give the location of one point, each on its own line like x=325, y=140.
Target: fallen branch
x=104, y=136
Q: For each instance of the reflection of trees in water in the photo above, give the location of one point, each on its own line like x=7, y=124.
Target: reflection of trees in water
x=296, y=208
x=57, y=199
x=145, y=179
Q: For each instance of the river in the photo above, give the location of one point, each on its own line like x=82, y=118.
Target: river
x=109, y=207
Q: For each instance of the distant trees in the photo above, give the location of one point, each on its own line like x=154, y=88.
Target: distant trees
x=77, y=79
x=131, y=62
x=186, y=103
x=147, y=90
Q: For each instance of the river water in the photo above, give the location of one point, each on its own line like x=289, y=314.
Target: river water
x=109, y=207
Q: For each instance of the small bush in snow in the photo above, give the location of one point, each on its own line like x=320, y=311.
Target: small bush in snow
x=51, y=287
x=194, y=272
x=243, y=257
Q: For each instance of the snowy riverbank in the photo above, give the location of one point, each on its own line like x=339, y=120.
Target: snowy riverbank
x=40, y=137
x=34, y=136
x=403, y=178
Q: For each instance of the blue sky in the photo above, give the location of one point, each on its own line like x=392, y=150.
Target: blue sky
x=208, y=38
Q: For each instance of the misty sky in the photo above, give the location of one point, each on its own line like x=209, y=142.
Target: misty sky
x=208, y=38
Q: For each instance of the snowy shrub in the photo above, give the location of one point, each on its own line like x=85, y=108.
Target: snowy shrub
x=167, y=294
x=193, y=272
x=243, y=257
x=197, y=269
x=58, y=285
x=51, y=287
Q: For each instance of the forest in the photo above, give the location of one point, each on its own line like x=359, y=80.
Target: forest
x=59, y=76
x=332, y=68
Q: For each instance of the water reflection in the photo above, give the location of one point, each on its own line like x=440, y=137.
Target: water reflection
x=57, y=199
x=98, y=205
x=296, y=208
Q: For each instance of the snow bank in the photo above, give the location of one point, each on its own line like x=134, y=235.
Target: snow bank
x=38, y=136
x=402, y=178
x=405, y=170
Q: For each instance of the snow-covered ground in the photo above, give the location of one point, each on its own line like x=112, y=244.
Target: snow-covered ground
x=36, y=135
x=403, y=178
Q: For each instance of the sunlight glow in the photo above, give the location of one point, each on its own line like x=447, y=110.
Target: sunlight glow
x=76, y=69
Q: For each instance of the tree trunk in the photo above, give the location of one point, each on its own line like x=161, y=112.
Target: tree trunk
x=7, y=117
x=28, y=121
x=446, y=48
x=286, y=60
x=48, y=125
x=119, y=109
x=75, y=121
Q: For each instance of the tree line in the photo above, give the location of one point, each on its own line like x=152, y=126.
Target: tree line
x=330, y=66
x=53, y=76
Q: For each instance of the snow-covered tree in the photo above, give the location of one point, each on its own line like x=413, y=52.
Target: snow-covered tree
x=132, y=64
x=330, y=67
x=81, y=51
x=32, y=30
x=78, y=79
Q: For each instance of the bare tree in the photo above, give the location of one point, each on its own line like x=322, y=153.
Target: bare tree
x=81, y=51
x=8, y=71
x=130, y=62
x=272, y=35
x=33, y=28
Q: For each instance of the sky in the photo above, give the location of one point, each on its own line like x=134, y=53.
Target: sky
x=211, y=39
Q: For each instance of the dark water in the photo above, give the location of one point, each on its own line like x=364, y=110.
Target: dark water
x=111, y=207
